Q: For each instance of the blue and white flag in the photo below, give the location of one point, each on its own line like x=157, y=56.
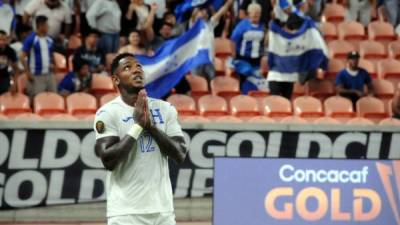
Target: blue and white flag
x=188, y=5
x=292, y=54
x=253, y=78
x=175, y=58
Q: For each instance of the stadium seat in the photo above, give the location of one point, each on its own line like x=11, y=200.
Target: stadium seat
x=389, y=69
x=372, y=50
x=258, y=93
x=383, y=90
x=101, y=84
x=62, y=117
x=334, y=67
x=339, y=49
x=185, y=105
x=298, y=90
x=294, y=120
x=381, y=31
x=308, y=107
x=28, y=117
x=11, y=105
x=275, y=106
x=48, y=103
x=320, y=89
x=212, y=106
x=339, y=108
x=334, y=13
x=198, y=86
x=108, y=97
x=219, y=65
x=359, y=121
x=352, y=32
x=60, y=63
x=329, y=31
x=224, y=47
x=81, y=104
x=394, y=49
x=390, y=122
x=261, y=119
x=369, y=66
x=244, y=106
x=371, y=108
x=227, y=119
x=21, y=82
x=326, y=121
x=194, y=119
x=109, y=58
x=225, y=86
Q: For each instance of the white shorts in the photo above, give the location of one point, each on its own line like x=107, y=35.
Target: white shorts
x=143, y=219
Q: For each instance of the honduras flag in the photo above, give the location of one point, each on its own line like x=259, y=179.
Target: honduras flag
x=253, y=78
x=175, y=58
x=294, y=54
x=188, y=5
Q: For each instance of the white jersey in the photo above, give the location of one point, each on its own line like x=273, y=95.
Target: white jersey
x=140, y=184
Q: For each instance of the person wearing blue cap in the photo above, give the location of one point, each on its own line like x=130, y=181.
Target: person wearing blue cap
x=351, y=81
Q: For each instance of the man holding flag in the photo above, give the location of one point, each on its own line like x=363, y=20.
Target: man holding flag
x=295, y=51
x=175, y=58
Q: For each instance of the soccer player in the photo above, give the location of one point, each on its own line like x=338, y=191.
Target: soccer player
x=135, y=136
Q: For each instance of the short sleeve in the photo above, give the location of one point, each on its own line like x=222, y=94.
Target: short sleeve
x=104, y=124
x=32, y=7
x=173, y=128
x=28, y=43
x=67, y=15
x=238, y=32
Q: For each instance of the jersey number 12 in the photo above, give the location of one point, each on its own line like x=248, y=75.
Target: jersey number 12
x=146, y=143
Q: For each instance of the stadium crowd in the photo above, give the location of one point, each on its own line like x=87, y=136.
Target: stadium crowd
x=64, y=45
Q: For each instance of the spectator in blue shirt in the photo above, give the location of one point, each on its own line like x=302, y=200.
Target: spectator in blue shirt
x=37, y=58
x=351, y=81
x=78, y=80
x=249, y=36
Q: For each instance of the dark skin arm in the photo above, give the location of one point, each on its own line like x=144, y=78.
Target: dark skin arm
x=340, y=89
x=173, y=147
x=112, y=150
